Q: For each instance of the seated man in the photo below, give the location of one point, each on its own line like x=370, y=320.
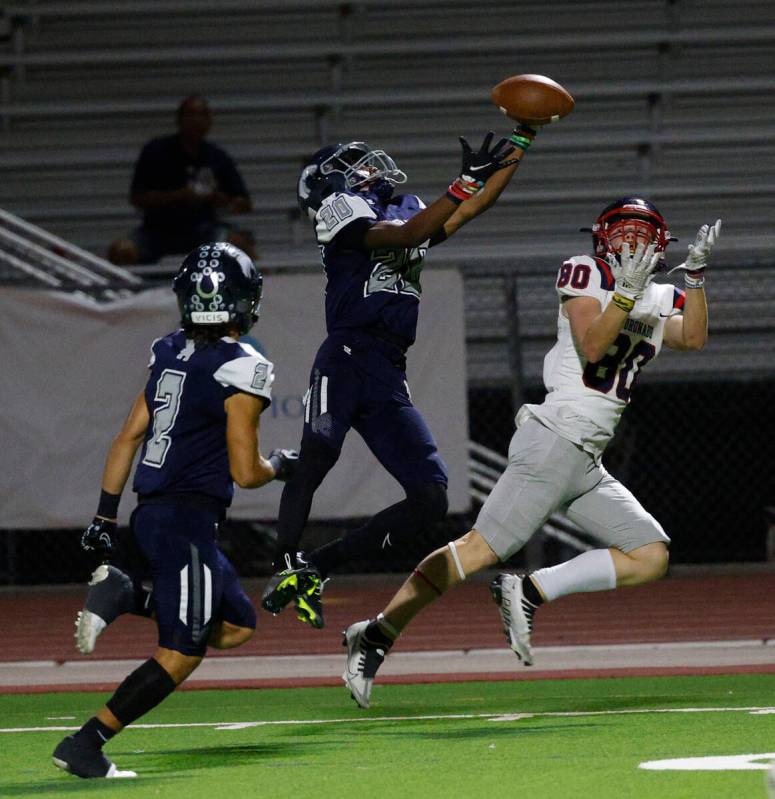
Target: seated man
x=180, y=183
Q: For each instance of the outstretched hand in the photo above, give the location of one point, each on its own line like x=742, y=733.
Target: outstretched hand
x=477, y=167
x=699, y=252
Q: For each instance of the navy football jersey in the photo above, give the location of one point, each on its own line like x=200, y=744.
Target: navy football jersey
x=369, y=288
x=185, y=444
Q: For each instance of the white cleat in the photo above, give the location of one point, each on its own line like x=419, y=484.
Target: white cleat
x=110, y=594
x=88, y=627
x=364, y=657
x=516, y=614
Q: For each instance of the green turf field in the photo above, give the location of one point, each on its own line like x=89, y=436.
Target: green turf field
x=543, y=739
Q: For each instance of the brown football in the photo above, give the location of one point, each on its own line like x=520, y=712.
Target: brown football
x=532, y=99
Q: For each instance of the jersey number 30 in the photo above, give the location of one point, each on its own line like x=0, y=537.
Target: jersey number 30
x=169, y=390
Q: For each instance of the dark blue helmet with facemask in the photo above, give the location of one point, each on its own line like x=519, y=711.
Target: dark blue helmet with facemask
x=354, y=166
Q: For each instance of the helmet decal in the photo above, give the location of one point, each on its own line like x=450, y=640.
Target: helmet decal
x=217, y=284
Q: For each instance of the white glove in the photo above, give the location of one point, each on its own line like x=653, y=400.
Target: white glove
x=699, y=253
x=637, y=270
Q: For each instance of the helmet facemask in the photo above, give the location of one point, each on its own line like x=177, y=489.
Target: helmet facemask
x=633, y=221
x=364, y=169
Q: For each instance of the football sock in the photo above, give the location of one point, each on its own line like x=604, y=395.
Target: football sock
x=315, y=461
x=390, y=530
x=374, y=635
x=146, y=687
x=94, y=733
x=590, y=571
x=531, y=593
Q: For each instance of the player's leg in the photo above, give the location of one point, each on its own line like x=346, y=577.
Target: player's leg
x=179, y=543
x=114, y=589
x=538, y=478
x=636, y=544
x=398, y=435
x=330, y=406
x=369, y=641
x=236, y=619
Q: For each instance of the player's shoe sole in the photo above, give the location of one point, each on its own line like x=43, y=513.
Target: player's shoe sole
x=86, y=762
x=110, y=594
x=88, y=628
x=516, y=614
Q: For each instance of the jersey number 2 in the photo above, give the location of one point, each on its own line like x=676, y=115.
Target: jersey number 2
x=169, y=390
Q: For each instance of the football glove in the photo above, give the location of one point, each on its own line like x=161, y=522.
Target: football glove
x=99, y=537
x=637, y=270
x=699, y=253
x=478, y=166
x=284, y=462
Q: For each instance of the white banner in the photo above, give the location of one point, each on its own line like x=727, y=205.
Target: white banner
x=71, y=369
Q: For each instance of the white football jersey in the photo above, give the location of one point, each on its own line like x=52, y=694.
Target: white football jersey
x=585, y=400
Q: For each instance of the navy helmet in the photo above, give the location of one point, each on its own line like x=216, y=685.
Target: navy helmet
x=218, y=284
x=353, y=166
x=634, y=215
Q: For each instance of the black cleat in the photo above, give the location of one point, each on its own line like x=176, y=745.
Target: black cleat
x=86, y=761
x=309, y=599
x=303, y=586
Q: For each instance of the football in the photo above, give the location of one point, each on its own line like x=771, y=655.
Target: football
x=532, y=99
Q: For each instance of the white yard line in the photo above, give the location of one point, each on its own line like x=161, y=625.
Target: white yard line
x=497, y=717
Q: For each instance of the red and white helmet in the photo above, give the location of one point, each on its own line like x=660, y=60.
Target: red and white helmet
x=632, y=220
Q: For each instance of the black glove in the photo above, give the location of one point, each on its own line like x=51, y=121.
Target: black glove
x=284, y=463
x=99, y=537
x=478, y=166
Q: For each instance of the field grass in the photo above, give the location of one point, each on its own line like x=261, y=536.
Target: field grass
x=543, y=739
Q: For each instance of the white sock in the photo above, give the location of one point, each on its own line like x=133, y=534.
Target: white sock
x=590, y=571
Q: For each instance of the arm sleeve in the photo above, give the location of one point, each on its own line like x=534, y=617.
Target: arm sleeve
x=252, y=374
x=344, y=217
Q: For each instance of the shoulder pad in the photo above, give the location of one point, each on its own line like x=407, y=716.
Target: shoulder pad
x=337, y=211
x=583, y=276
x=250, y=372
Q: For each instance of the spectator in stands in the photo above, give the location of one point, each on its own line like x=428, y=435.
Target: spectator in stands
x=612, y=321
x=181, y=182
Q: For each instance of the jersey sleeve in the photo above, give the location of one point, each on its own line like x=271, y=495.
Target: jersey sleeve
x=340, y=213
x=582, y=276
x=152, y=357
x=251, y=373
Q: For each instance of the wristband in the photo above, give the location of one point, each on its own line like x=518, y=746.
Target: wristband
x=522, y=137
x=108, y=505
x=625, y=303
x=463, y=188
x=694, y=280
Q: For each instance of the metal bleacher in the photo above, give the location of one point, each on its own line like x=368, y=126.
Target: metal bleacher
x=674, y=101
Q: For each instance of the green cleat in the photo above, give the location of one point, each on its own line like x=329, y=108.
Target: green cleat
x=280, y=590
x=309, y=599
